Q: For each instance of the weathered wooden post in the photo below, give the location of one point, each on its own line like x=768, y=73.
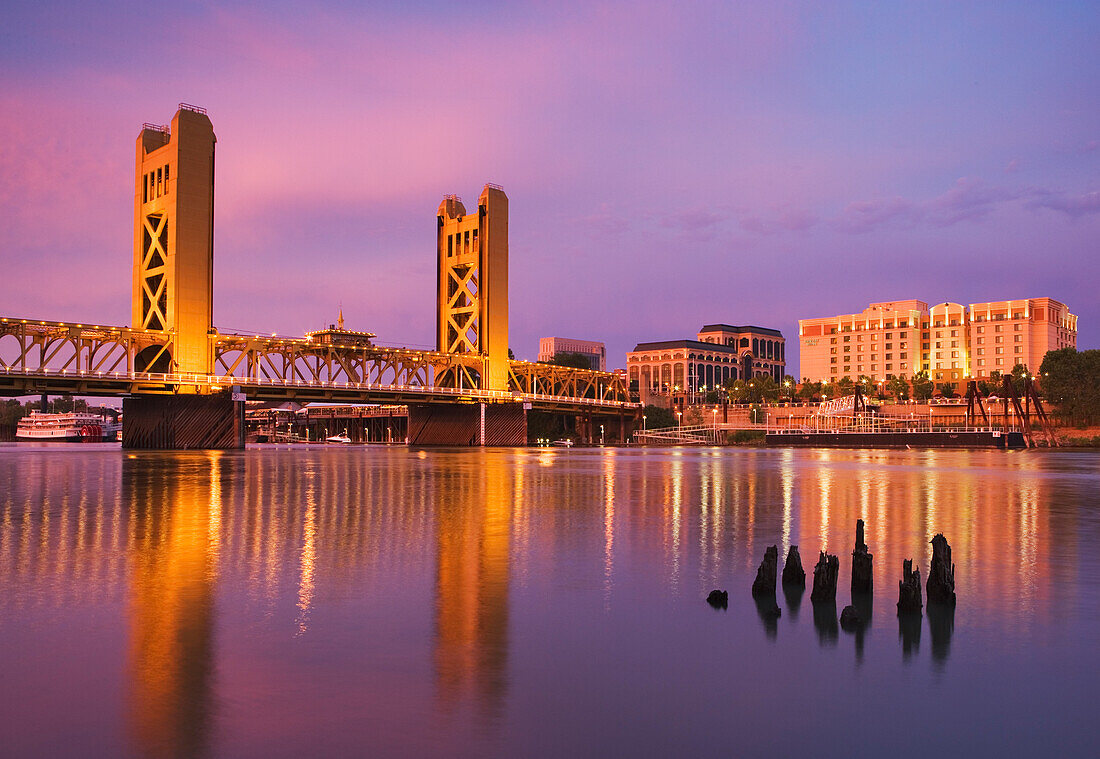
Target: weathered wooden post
x=941, y=575
x=909, y=593
x=793, y=573
x=764, y=584
x=825, y=574
x=862, y=581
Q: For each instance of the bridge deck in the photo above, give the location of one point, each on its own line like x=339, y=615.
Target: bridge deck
x=57, y=357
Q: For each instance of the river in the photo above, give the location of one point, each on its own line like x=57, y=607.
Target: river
x=353, y=601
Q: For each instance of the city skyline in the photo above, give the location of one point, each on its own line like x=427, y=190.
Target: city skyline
x=656, y=182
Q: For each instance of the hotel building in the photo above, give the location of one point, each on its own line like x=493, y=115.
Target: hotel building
x=593, y=351
x=720, y=353
x=950, y=341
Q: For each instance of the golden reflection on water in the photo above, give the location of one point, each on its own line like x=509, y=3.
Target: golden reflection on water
x=170, y=532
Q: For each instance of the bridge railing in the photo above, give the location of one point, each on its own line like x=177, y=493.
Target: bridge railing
x=218, y=382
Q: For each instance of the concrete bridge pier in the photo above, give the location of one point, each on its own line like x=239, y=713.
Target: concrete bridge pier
x=182, y=422
x=473, y=424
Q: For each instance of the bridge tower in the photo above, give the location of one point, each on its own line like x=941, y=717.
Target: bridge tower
x=173, y=285
x=472, y=282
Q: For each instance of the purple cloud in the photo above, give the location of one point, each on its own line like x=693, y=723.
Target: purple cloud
x=969, y=200
x=1074, y=206
x=786, y=219
x=865, y=215
x=693, y=220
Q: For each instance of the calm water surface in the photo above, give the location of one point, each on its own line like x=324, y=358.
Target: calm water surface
x=370, y=601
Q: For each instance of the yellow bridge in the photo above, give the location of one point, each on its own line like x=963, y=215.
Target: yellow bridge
x=467, y=391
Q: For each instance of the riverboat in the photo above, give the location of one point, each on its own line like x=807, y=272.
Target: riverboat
x=74, y=427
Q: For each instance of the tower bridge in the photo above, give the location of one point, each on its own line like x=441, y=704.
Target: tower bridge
x=184, y=381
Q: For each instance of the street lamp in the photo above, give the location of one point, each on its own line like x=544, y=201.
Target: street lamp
x=679, y=414
x=714, y=417
x=601, y=434
x=643, y=422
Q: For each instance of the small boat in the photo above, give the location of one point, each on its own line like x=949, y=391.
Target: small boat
x=341, y=438
x=564, y=443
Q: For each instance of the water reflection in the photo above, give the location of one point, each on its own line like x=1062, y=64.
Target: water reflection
x=228, y=575
x=175, y=516
x=909, y=624
x=472, y=578
x=941, y=626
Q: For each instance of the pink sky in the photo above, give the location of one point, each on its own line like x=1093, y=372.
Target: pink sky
x=667, y=165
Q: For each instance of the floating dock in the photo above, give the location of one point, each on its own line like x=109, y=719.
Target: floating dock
x=951, y=438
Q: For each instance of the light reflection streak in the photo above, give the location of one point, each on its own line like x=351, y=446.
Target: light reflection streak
x=608, y=522
x=309, y=555
x=786, y=473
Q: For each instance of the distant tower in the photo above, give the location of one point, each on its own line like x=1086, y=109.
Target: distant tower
x=472, y=284
x=174, y=239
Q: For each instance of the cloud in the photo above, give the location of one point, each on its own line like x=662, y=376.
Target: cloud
x=1013, y=166
x=969, y=200
x=865, y=215
x=785, y=219
x=1074, y=206
x=693, y=220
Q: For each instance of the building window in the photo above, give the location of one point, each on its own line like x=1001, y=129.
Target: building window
x=999, y=327
x=999, y=339
x=1017, y=338
x=1019, y=349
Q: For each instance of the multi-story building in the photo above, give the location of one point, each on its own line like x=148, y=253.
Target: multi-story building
x=593, y=351
x=719, y=353
x=950, y=341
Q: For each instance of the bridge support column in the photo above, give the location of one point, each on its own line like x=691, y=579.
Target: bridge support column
x=182, y=422
x=483, y=424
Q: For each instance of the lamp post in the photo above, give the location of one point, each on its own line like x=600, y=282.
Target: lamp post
x=643, y=422
x=679, y=415
x=601, y=435
x=714, y=418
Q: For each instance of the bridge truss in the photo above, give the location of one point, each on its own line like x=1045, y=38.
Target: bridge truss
x=60, y=357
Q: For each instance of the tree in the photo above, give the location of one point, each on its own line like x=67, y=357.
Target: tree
x=844, y=387
x=899, y=388
x=1071, y=380
x=1019, y=378
x=922, y=386
x=809, y=391
x=739, y=391
x=947, y=389
x=763, y=389
x=574, y=360
x=657, y=416
x=789, y=387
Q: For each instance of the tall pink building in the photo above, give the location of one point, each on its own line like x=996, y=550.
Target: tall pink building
x=949, y=341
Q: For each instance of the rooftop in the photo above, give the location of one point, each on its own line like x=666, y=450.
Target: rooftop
x=746, y=328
